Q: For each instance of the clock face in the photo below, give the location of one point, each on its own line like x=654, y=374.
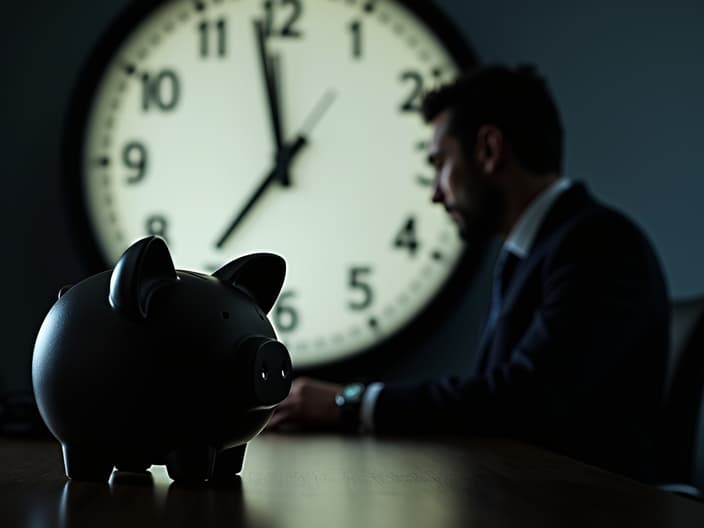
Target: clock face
x=287, y=126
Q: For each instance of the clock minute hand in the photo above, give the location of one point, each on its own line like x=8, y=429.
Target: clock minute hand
x=271, y=68
x=269, y=65
x=282, y=160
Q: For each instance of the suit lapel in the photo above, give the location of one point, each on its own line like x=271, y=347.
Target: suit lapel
x=570, y=203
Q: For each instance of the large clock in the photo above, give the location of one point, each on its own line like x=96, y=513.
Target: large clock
x=288, y=126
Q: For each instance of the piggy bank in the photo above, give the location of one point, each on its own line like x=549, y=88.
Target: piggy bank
x=146, y=364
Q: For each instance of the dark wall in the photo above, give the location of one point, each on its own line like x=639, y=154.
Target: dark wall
x=43, y=46
x=628, y=80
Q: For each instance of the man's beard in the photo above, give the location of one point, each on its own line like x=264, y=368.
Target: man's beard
x=484, y=220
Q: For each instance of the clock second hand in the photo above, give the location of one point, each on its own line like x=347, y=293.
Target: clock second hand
x=283, y=162
x=285, y=156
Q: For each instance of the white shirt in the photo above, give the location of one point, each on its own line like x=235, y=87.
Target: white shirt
x=520, y=239
x=519, y=242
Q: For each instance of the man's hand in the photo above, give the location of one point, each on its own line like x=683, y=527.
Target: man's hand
x=310, y=404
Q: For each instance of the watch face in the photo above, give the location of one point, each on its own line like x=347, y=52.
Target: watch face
x=287, y=126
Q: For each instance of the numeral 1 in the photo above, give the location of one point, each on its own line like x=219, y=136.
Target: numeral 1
x=356, y=30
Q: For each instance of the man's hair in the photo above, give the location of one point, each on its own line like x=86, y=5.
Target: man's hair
x=517, y=101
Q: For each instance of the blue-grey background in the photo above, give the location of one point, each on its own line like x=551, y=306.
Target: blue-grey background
x=627, y=75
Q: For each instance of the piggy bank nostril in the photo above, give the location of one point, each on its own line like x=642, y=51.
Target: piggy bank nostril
x=284, y=373
x=264, y=372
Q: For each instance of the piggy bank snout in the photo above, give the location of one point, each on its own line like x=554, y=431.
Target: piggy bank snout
x=271, y=370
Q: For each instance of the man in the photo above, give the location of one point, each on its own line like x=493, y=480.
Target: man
x=574, y=350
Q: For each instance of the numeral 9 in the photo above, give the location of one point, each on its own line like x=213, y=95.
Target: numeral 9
x=134, y=156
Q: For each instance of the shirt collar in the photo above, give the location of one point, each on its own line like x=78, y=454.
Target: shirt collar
x=520, y=239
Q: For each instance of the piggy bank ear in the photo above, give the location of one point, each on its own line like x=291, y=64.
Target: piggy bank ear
x=260, y=274
x=64, y=289
x=141, y=269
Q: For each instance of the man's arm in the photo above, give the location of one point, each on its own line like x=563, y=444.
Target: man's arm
x=571, y=364
x=600, y=297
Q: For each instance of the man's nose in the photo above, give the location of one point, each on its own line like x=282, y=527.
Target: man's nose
x=437, y=195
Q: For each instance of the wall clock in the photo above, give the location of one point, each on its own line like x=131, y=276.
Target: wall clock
x=290, y=126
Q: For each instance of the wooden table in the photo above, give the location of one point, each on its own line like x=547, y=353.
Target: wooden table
x=336, y=482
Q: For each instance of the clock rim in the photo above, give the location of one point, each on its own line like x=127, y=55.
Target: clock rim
x=85, y=236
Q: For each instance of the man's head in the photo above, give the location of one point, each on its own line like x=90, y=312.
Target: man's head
x=497, y=138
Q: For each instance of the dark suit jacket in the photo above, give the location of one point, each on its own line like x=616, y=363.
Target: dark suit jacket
x=577, y=361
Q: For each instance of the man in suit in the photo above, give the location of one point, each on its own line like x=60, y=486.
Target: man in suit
x=574, y=350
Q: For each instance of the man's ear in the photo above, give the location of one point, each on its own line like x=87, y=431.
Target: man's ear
x=490, y=148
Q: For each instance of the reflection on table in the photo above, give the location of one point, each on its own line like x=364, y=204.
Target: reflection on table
x=329, y=481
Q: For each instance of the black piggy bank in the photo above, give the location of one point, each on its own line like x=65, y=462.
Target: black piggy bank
x=147, y=365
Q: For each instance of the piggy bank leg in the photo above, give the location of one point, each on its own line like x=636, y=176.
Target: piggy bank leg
x=133, y=466
x=83, y=463
x=190, y=464
x=228, y=463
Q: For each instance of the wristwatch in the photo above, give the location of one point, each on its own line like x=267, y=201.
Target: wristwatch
x=349, y=401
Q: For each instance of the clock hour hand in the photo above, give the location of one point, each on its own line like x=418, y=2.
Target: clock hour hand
x=274, y=175
x=247, y=208
x=283, y=161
